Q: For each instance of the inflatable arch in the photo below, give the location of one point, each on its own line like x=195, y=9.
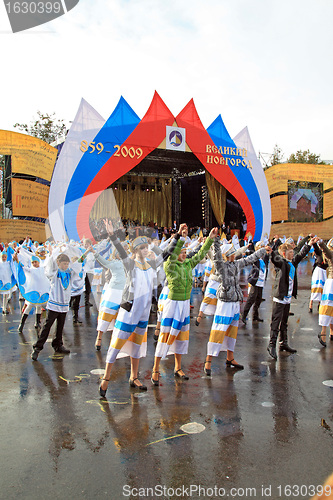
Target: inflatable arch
x=231, y=165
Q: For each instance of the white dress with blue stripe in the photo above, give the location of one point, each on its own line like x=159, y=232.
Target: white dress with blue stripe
x=129, y=337
x=224, y=330
x=318, y=280
x=175, y=328
x=326, y=304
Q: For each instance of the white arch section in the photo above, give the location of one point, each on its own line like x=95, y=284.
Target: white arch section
x=243, y=141
x=86, y=125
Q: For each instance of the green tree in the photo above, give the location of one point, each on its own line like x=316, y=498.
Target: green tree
x=305, y=157
x=277, y=155
x=46, y=127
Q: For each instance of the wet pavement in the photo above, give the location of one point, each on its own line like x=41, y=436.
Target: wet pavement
x=264, y=432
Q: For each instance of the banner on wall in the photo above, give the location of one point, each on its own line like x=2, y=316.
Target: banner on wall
x=301, y=194
x=14, y=229
x=29, y=199
x=29, y=155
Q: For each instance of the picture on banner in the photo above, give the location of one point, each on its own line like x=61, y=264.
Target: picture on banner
x=305, y=201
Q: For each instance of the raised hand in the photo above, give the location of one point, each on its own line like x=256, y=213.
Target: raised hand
x=313, y=240
x=108, y=226
x=182, y=227
x=214, y=232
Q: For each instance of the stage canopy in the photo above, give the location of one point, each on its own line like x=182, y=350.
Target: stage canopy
x=97, y=154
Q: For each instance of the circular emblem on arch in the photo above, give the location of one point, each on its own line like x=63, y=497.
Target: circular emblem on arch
x=175, y=138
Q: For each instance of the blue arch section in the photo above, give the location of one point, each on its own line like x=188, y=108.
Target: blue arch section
x=117, y=128
x=221, y=138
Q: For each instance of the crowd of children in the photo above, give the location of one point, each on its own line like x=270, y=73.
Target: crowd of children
x=136, y=271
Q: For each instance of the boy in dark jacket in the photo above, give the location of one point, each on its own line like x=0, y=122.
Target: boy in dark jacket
x=285, y=288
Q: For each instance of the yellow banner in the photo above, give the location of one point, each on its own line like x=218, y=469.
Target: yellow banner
x=277, y=179
x=14, y=229
x=29, y=198
x=279, y=208
x=29, y=154
x=328, y=207
x=294, y=229
x=278, y=176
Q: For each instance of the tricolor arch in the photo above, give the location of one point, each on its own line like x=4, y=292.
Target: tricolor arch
x=227, y=161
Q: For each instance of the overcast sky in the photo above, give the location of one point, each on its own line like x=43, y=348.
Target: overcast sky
x=265, y=64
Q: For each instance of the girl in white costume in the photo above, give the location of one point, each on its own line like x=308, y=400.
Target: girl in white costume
x=112, y=294
x=80, y=266
x=318, y=278
x=129, y=336
x=326, y=304
x=209, y=302
x=7, y=278
x=207, y=270
x=34, y=287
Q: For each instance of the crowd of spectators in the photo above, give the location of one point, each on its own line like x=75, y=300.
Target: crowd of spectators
x=132, y=228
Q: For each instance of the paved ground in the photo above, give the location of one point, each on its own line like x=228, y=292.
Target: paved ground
x=262, y=429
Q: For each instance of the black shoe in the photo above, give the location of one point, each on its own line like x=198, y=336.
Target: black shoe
x=102, y=392
x=156, y=383
x=38, y=324
x=287, y=348
x=272, y=351
x=178, y=375
x=34, y=355
x=207, y=371
x=61, y=350
x=197, y=323
x=22, y=322
x=135, y=386
x=88, y=304
x=155, y=337
x=331, y=337
x=291, y=314
x=322, y=342
x=76, y=321
x=263, y=300
x=98, y=344
x=310, y=309
x=243, y=319
x=231, y=363
x=257, y=320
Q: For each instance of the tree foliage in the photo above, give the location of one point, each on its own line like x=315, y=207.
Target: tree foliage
x=46, y=127
x=277, y=155
x=305, y=157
